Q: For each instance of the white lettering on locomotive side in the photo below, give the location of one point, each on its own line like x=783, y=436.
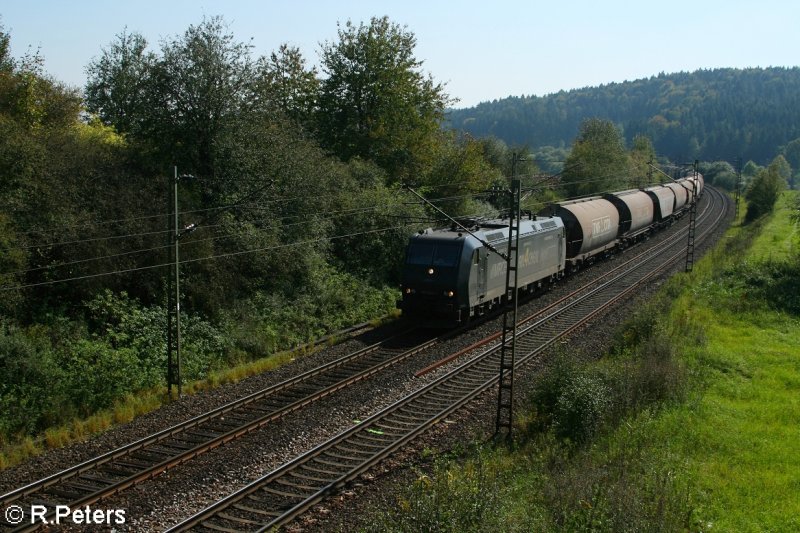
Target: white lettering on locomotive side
x=529, y=257
x=498, y=269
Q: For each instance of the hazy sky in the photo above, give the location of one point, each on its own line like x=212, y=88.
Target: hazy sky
x=481, y=50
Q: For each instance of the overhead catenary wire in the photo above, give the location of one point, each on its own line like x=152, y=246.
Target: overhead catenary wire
x=111, y=256
x=187, y=242
x=234, y=205
x=141, y=234
x=333, y=214
x=161, y=232
x=207, y=258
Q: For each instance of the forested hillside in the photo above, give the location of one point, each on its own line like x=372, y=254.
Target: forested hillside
x=708, y=114
x=291, y=220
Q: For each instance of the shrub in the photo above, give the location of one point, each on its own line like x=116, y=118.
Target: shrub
x=763, y=193
x=99, y=374
x=53, y=372
x=269, y=322
x=774, y=283
x=581, y=407
x=124, y=324
x=640, y=326
x=571, y=399
x=575, y=401
x=32, y=391
x=659, y=376
x=547, y=390
x=621, y=487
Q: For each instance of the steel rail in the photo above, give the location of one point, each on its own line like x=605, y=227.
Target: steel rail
x=119, y=469
x=288, y=491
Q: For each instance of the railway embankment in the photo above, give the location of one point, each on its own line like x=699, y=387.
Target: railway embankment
x=689, y=421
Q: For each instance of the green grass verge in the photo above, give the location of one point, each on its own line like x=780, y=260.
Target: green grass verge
x=741, y=438
x=778, y=239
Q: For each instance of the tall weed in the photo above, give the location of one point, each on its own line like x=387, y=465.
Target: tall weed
x=453, y=500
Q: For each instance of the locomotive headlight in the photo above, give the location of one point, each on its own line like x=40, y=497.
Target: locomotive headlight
x=450, y=294
x=430, y=271
x=408, y=290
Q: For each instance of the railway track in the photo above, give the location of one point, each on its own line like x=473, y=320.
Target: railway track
x=115, y=471
x=285, y=493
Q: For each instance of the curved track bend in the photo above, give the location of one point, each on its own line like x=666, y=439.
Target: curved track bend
x=288, y=491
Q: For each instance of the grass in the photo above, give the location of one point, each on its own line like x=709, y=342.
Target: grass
x=721, y=452
x=778, y=239
x=741, y=439
x=742, y=436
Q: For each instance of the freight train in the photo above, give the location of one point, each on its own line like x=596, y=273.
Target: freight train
x=450, y=276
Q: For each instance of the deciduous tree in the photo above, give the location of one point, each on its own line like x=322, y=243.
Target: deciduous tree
x=642, y=155
x=6, y=64
x=119, y=84
x=792, y=154
x=202, y=80
x=720, y=174
x=781, y=166
x=751, y=169
x=598, y=160
x=287, y=86
x=375, y=101
x=180, y=101
x=764, y=191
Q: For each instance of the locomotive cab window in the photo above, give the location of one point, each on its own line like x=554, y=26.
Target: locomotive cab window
x=420, y=253
x=446, y=255
x=433, y=254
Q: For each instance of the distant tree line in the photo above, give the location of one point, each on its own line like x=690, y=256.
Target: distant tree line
x=712, y=115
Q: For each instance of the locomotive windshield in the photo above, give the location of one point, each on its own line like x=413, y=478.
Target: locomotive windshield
x=434, y=254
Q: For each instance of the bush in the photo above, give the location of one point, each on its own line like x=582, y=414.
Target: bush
x=99, y=374
x=205, y=348
x=659, y=376
x=53, y=372
x=640, y=326
x=575, y=401
x=547, y=391
x=772, y=282
x=124, y=324
x=331, y=301
x=763, y=192
x=33, y=388
x=581, y=407
x=571, y=399
x=617, y=487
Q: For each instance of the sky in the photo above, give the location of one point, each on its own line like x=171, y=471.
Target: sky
x=481, y=51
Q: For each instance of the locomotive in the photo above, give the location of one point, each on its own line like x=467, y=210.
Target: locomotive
x=450, y=276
